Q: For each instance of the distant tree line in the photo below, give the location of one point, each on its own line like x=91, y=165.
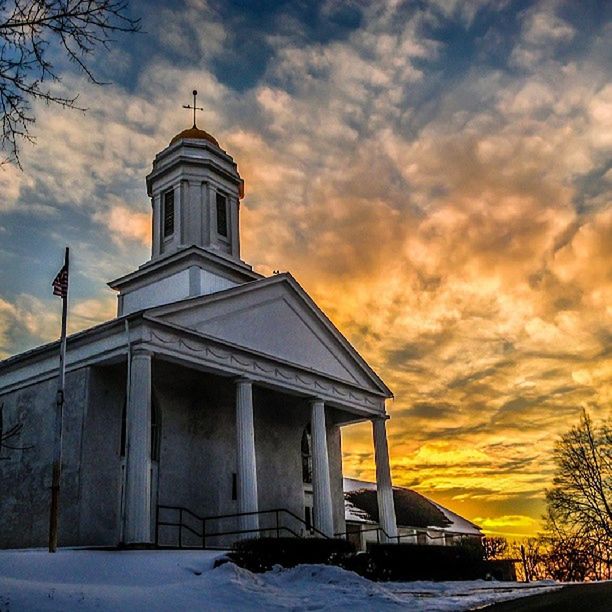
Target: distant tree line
x=576, y=542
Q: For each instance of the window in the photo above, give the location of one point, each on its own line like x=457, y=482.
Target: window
x=308, y=518
x=234, y=487
x=168, y=213
x=221, y=215
x=306, y=456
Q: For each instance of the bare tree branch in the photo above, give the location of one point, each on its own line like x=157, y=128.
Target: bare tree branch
x=579, y=520
x=28, y=29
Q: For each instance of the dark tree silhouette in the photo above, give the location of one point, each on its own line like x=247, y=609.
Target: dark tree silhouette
x=581, y=495
x=531, y=559
x=579, y=518
x=30, y=31
x=9, y=434
x=571, y=557
x=494, y=547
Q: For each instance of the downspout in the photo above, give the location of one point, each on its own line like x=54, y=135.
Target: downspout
x=126, y=450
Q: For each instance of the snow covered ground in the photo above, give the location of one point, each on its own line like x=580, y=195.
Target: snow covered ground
x=185, y=580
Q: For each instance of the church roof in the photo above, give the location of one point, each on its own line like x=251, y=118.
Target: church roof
x=195, y=133
x=179, y=260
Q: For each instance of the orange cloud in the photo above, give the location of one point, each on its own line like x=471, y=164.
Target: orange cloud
x=125, y=223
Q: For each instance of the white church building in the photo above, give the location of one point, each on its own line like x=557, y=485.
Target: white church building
x=212, y=404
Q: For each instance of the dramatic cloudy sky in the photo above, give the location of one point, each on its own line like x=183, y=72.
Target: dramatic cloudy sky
x=436, y=174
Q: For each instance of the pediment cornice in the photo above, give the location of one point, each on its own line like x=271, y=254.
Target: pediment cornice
x=286, y=285
x=174, y=341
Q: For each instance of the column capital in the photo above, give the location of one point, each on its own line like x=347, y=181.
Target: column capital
x=243, y=380
x=315, y=400
x=380, y=417
x=141, y=351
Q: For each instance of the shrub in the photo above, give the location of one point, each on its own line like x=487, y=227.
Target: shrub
x=261, y=554
x=421, y=562
x=381, y=562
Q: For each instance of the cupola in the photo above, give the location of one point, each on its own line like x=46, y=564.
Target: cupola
x=195, y=192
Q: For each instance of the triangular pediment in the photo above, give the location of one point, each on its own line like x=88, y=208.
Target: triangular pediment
x=275, y=317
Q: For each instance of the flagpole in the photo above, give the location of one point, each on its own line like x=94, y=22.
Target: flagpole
x=59, y=408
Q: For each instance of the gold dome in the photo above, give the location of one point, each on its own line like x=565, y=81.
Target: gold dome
x=196, y=134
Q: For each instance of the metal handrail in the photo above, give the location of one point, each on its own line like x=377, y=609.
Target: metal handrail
x=239, y=514
x=206, y=519
x=378, y=531
x=398, y=537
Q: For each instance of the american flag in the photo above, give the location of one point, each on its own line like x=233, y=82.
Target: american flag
x=60, y=283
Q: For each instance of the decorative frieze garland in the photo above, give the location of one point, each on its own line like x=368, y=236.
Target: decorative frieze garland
x=240, y=362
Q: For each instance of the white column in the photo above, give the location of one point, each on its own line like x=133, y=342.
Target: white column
x=156, y=234
x=194, y=235
x=321, y=488
x=245, y=460
x=180, y=214
x=174, y=242
x=386, y=508
x=137, y=527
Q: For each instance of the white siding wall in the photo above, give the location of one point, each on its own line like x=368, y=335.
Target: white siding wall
x=172, y=289
x=211, y=283
x=164, y=291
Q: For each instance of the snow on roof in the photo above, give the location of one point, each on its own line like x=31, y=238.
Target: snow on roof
x=412, y=509
x=352, y=484
x=351, y=511
x=458, y=523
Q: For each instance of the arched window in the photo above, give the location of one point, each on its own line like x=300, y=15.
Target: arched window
x=306, y=456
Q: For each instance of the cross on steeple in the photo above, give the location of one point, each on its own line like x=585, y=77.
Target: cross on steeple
x=194, y=107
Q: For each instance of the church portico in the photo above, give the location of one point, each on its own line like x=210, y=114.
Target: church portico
x=229, y=445
x=215, y=393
